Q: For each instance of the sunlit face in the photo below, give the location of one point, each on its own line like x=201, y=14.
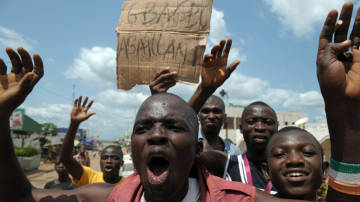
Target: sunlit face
x=59, y=167
x=258, y=124
x=295, y=165
x=111, y=160
x=212, y=116
x=163, y=148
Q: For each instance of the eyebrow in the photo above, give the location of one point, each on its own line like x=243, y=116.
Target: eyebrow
x=281, y=145
x=168, y=120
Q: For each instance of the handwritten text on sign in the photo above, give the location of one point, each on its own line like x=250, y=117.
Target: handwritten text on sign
x=153, y=34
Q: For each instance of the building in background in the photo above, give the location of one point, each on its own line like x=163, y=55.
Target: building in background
x=24, y=130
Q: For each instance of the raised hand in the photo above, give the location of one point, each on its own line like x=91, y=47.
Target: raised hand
x=162, y=81
x=80, y=110
x=338, y=75
x=16, y=85
x=214, y=71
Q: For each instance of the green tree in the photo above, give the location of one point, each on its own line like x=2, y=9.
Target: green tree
x=48, y=129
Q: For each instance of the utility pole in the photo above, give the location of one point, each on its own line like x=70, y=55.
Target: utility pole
x=73, y=93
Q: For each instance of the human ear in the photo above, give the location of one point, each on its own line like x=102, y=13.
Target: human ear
x=325, y=168
x=265, y=170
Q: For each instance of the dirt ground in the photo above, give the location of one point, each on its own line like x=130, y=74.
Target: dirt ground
x=46, y=172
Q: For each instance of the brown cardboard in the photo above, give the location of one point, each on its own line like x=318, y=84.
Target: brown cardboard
x=153, y=34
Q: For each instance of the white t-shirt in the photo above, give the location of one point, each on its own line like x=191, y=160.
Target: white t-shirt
x=192, y=195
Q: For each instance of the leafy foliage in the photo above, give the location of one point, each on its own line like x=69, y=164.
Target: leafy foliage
x=26, y=151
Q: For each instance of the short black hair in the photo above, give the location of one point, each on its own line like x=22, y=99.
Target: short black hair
x=115, y=147
x=294, y=128
x=261, y=103
x=217, y=98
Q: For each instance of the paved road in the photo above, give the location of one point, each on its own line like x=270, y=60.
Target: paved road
x=46, y=172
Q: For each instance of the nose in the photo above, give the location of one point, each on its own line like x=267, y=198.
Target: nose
x=211, y=115
x=260, y=126
x=158, y=136
x=294, y=159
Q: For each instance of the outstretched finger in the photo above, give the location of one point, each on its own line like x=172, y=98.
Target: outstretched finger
x=85, y=101
x=227, y=48
x=39, y=67
x=222, y=45
x=15, y=60
x=76, y=102
x=3, y=67
x=26, y=60
x=89, y=115
x=355, y=33
x=231, y=68
x=165, y=76
x=214, y=50
x=345, y=17
x=163, y=71
x=79, y=102
x=328, y=29
x=90, y=104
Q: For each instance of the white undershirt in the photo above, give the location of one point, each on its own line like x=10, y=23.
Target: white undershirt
x=193, y=193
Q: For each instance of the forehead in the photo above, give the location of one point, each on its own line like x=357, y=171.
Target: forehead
x=292, y=138
x=259, y=111
x=110, y=151
x=161, y=110
x=213, y=102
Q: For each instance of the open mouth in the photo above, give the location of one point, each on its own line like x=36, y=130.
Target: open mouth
x=296, y=176
x=108, y=168
x=157, y=170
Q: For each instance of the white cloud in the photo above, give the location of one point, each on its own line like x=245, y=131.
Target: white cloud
x=56, y=113
x=301, y=16
x=244, y=90
x=218, y=31
x=97, y=66
x=120, y=98
x=10, y=38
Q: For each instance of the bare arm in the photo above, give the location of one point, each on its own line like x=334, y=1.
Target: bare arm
x=214, y=161
x=213, y=73
x=262, y=196
x=14, y=88
x=78, y=115
x=339, y=80
x=90, y=193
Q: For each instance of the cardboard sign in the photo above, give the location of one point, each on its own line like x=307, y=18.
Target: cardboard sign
x=153, y=34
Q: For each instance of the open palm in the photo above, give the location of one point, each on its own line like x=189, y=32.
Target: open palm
x=16, y=86
x=214, y=71
x=80, y=110
x=338, y=75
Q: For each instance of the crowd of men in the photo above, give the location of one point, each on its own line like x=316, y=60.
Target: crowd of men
x=173, y=165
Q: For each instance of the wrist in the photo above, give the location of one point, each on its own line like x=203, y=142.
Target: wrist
x=206, y=90
x=74, y=123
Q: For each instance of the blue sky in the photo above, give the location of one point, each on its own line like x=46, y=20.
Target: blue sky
x=276, y=41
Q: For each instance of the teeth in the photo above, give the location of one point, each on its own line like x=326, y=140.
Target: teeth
x=295, y=174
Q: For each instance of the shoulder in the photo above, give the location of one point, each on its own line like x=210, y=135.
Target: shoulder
x=127, y=189
x=233, y=189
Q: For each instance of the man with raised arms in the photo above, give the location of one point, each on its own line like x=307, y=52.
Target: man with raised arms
x=111, y=157
x=165, y=136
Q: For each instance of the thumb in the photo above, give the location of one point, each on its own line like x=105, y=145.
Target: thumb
x=339, y=48
x=231, y=68
x=90, y=114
